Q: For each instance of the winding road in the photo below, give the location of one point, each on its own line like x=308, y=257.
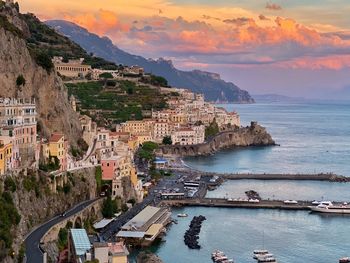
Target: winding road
x=34, y=253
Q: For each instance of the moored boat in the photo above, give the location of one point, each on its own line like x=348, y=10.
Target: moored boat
x=328, y=207
x=344, y=260
x=219, y=257
x=182, y=215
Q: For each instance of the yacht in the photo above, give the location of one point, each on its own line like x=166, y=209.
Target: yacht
x=344, y=260
x=328, y=207
x=219, y=257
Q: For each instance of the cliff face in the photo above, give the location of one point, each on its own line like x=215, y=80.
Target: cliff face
x=254, y=135
x=54, y=111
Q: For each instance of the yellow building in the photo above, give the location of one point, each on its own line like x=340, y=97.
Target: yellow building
x=118, y=252
x=57, y=148
x=5, y=155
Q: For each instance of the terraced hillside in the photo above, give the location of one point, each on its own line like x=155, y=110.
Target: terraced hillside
x=114, y=101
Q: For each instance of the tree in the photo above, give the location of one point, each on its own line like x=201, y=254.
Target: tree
x=106, y=75
x=20, y=81
x=107, y=207
x=212, y=129
x=44, y=60
x=167, y=140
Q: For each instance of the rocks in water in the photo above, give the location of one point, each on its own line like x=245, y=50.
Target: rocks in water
x=148, y=257
x=251, y=194
x=191, y=236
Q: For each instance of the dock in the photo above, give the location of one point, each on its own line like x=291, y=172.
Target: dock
x=221, y=202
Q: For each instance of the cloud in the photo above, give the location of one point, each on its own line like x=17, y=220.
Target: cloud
x=206, y=17
x=263, y=18
x=239, y=21
x=272, y=6
x=100, y=22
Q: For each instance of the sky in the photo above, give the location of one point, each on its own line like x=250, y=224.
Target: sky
x=289, y=47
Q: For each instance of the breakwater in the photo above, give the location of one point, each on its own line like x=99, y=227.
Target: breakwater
x=220, y=202
x=192, y=234
x=253, y=135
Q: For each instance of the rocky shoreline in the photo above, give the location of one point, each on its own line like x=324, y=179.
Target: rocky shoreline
x=253, y=135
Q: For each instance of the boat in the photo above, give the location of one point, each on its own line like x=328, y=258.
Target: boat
x=219, y=257
x=260, y=252
x=182, y=215
x=328, y=207
x=344, y=260
x=256, y=256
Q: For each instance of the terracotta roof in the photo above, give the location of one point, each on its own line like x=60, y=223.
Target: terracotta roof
x=55, y=137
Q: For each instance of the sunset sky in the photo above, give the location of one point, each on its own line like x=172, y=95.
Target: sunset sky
x=291, y=47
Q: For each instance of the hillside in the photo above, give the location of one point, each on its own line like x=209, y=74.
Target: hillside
x=18, y=58
x=114, y=101
x=214, y=88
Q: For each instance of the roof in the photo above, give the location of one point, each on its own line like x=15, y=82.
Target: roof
x=118, y=248
x=160, y=160
x=55, y=137
x=132, y=234
x=104, y=222
x=154, y=229
x=141, y=218
x=81, y=241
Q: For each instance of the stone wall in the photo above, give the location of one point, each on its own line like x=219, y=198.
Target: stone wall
x=253, y=135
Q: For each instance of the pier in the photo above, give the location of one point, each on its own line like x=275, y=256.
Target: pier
x=221, y=202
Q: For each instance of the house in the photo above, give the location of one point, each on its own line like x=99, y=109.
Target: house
x=5, y=155
x=58, y=148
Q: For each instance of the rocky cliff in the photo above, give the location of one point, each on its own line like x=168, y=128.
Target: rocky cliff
x=39, y=197
x=54, y=111
x=253, y=135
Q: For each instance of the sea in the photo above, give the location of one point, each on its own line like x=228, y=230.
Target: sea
x=314, y=137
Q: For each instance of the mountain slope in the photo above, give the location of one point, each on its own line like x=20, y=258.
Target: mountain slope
x=17, y=59
x=214, y=88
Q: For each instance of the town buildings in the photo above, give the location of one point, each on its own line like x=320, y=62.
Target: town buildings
x=184, y=120
x=81, y=250
x=73, y=68
x=18, y=132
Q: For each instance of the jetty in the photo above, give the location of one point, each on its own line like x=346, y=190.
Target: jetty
x=229, y=203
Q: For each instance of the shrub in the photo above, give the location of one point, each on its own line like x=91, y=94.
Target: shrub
x=62, y=238
x=10, y=184
x=167, y=140
x=20, y=81
x=44, y=60
x=106, y=75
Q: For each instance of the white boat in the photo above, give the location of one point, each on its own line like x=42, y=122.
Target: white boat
x=290, y=202
x=328, y=207
x=260, y=252
x=182, y=215
x=344, y=260
x=268, y=255
x=220, y=257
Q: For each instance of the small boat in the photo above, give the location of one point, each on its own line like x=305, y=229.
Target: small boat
x=344, y=260
x=256, y=256
x=260, y=252
x=219, y=257
x=182, y=215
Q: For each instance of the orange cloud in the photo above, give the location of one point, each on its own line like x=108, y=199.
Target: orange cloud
x=336, y=62
x=100, y=22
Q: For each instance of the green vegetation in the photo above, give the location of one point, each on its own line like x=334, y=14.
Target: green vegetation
x=212, y=129
x=43, y=60
x=4, y=23
x=98, y=178
x=119, y=103
x=62, y=238
x=155, y=80
x=9, y=218
x=10, y=185
x=167, y=140
x=109, y=207
x=106, y=75
x=20, y=81
x=44, y=38
x=30, y=183
x=146, y=152
x=53, y=164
